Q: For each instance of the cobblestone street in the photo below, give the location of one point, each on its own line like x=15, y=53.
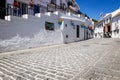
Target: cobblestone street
x=95, y=59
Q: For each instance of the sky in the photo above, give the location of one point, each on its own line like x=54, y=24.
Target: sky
x=93, y=8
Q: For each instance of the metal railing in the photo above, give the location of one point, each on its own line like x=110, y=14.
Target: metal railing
x=11, y=10
x=25, y=9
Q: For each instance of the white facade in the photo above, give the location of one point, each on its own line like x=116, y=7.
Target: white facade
x=109, y=20
x=26, y=31
x=30, y=30
x=116, y=27
x=99, y=30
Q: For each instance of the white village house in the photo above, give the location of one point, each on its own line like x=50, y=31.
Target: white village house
x=109, y=25
x=48, y=24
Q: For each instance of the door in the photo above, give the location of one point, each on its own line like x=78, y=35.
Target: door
x=2, y=9
x=24, y=8
x=109, y=28
x=109, y=31
x=78, y=31
x=85, y=34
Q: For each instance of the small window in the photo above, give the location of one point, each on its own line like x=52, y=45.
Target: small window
x=107, y=20
x=49, y=26
x=66, y=36
x=104, y=21
x=117, y=21
x=65, y=25
x=110, y=18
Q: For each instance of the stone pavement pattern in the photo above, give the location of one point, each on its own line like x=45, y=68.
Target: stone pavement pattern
x=95, y=59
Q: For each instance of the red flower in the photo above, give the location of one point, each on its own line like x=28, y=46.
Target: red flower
x=15, y=4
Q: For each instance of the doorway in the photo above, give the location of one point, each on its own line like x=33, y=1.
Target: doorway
x=2, y=9
x=109, y=28
x=78, y=31
x=24, y=8
x=109, y=33
x=85, y=33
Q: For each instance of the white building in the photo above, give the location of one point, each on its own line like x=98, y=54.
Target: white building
x=99, y=29
x=19, y=32
x=116, y=25
x=109, y=25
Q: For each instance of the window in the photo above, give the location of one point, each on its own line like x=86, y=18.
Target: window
x=78, y=31
x=104, y=21
x=116, y=24
x=101, y=24
x=107, y=20
x=110, y=18
x=66, y=36
x=117, y=21
x=49, y=26
x=65, y=25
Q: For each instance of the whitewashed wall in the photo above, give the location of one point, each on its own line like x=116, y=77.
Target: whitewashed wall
x=99, y=30
x=29, y=31
x=107, y=19
x=20, y=33
x=114, y=25
x=71, y=31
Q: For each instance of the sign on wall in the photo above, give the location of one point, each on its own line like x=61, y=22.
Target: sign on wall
x=83, y=26
x=60, y=20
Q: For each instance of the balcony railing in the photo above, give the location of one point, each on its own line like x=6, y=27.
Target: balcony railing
x=19, y=11
x=25, y=9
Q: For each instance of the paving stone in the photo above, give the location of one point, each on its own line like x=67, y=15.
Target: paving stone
x=116, y=67
x=4, y=77
x=111, y=78
x=16, y=77
x=61, y=78
x=52, y=71
x=51, y=75
x=105, y=65
x=41, y=76
x=95, y=59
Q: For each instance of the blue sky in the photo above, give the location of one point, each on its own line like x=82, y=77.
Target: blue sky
x=93, y=8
